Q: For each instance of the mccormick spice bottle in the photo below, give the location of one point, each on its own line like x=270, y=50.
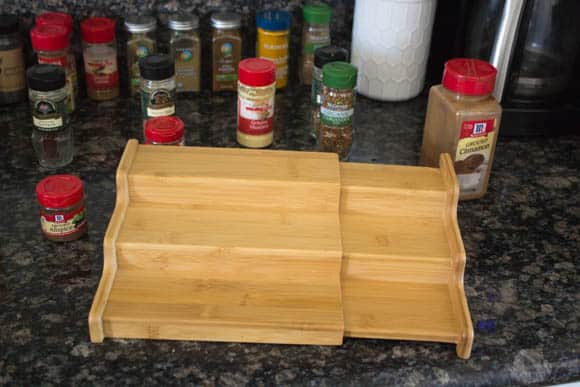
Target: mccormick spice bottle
x=226, y=50
x=256, y=91
x=337, y=109
x=100, y=56
x=52, y=45
x=463, y=120
x=62, y=207
x=12, y=79
x=315, y=34
x=164, y=131
x=186, y=51
x=140, y=43
x=273, y=28
x=157, y=86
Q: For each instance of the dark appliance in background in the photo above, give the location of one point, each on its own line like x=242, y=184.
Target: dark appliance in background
x=534, y=44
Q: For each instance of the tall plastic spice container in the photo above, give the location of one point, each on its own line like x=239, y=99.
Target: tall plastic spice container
x=100, y=57
x=157, y=86
x=140, y=43
x=256, y=92
x=273, y=34
x=226, y=50
x=315, y=34
x=337, y=109
x=51, y=44
x=12, y=68
x=52, y=136
x=65, y=20
x=186, y=51
x=463, y=119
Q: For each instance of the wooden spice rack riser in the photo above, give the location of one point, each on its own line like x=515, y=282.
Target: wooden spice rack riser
x=221, y=245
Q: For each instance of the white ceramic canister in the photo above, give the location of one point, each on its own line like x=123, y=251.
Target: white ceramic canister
x=390, y=46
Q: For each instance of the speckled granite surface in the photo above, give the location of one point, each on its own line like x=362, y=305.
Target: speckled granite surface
x=521, y=279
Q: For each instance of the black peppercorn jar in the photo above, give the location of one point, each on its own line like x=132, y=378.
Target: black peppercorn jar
x=157, y=86
x=12, y=81
x=52, y=136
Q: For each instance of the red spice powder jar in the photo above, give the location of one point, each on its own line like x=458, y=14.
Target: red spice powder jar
x=165, y=130
x=62, y=207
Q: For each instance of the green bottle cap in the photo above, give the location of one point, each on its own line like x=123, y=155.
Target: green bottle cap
x=317, y=13
x=339, y=75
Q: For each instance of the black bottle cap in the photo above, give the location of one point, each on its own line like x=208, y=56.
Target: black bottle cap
x=157, y=67
x=8, y=24
x=45, y=77
x=328, y=54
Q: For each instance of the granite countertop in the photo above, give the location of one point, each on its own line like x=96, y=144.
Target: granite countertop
x=521, y=280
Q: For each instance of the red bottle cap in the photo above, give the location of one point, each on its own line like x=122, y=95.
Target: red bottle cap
x=163, y=130
x=59, y=191
x=469, y=76
x=98, y=30
x=49, y=37
x=257, y=72
x=57, y=19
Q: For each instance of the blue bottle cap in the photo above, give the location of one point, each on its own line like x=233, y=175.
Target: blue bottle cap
x=273, y=20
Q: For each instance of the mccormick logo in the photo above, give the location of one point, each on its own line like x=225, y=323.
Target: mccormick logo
x=479, y=128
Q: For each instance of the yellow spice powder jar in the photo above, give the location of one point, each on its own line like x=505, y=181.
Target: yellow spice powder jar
x=273, y=36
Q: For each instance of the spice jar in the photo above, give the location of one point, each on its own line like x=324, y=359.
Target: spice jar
x=226, y=50
x=463, y=120
x=52, y=136
x=157, y=86
x=51, y=44
x=164, y=131
x=337, y=109
x=273, y=27
x=140, y=43
x=62, y=207
x=315, y=34
x=65, y=20
x=100, y=56
x=186, y=51
x=256, y=91
x=12, y=82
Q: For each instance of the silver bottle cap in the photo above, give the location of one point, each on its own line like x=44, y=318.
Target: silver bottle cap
x=142, y=23
x=226, y=20
x=183, y=22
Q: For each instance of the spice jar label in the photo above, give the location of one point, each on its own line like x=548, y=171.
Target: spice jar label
x=336, y=115
x=101, y=73
x=137, y=49
x=62, y=224
x=187, y=66
x=274, y=47
x=160, y=103
x=473, y=153
x=256, y=116
x=11, y=70
x=47, y=115
x=226, y=56
x=314, y=41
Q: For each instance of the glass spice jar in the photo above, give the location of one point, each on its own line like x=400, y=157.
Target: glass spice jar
x=337, y=109
x=12, y=69
x=256, y=91
x=65, y=20
x=140, y=43
x=100, y=57
x=226, y=50
x=52, y=136
x=186, y=51
x=62, y=207
x=52, y=46
x=157, y=86
x=164, y=131
x=315, y=34
x=273, y=34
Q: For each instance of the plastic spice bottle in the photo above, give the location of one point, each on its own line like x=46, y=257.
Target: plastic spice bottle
x=100, y=57
x=65, y=20
x=52, y=136
x=273, y=27
x=140, y=43
x=12, y=78
x=62, y=207
x=315, y=34
x=164, y=131
x=337, y=109
x=463, y=119
x=256, y=91
x=226, y=50
x=157, y=86
x=51, y=43
x=186, y=51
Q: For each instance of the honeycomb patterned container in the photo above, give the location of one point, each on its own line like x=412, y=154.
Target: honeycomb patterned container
x=390, y=46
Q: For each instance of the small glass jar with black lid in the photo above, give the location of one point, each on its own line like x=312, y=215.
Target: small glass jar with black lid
x=12, y=69
x=157, y=86
x=52, y=136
